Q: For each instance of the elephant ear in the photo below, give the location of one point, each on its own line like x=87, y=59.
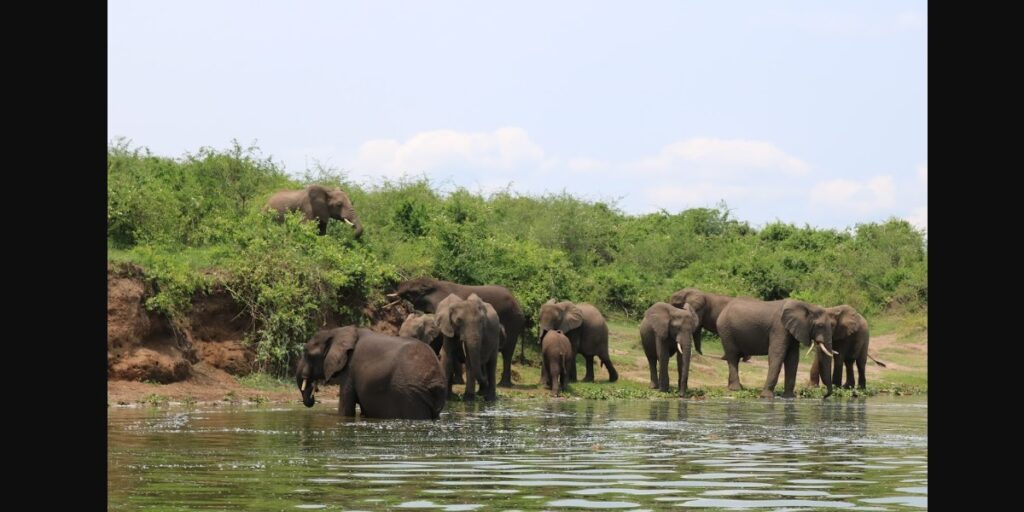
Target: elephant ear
x=342, y=343
x=690, y=319
x=430, y=328
x=573, y=317
x=847, y=323
x=796, y=318
x=318, y=199
x=444, y=315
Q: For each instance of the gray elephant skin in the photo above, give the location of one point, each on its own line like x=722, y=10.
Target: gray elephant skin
x=664, y=331
x=472, y=333
x=777, y=329
x=587, y=331
x=556, y=357
x=317, y=202
x=423, y=327
x=426, y=293
x=707, y=307
x=387, y=376
x=850, y=338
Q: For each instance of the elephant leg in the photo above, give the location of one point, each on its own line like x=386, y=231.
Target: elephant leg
x=492, y=384
x=663, y=384
x=612, y=374
x=507, y=352
x=589, y=361
x=837, y=370
x=862, y=382
x=554, y=374
x=791, y=362
x=347, y=396
x=652, y=364
x=775, y=359
x=815, y=373
x=457, y=375
x=849, y=374
x=448, y=364
x=734, y=371
x=545, y=379
x=323, y=227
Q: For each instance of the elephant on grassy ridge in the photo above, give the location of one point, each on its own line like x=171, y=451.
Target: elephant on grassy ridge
x=775, y=328
x=850, y=338
x=317, y=202
x=587, y=331
x=664, y=331
x=426, y=293
x=387, y=376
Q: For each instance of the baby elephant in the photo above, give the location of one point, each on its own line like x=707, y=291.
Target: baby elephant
x=424, y=327
x=555, y=361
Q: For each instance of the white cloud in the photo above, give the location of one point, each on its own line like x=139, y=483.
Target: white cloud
x=922, y=173
x=587, y=165
x=503, y=149
x=876, y=194
x=711, y=156
x=919, y=218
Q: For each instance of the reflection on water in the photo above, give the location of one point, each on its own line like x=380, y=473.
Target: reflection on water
x=863, y=454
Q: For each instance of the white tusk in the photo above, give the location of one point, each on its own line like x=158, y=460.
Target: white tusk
x=303, y=388
x=388, y=305
x=835, y=353
x=811, y=349
x=680, y=347
x=348, y=222
x=821, y=347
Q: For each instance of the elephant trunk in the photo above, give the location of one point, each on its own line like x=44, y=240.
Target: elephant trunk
x=825, y=370
x=307, y=389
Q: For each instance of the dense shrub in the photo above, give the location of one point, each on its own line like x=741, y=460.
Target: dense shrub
x=189, y=219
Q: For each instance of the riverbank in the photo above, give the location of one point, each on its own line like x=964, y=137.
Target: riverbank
x=901, y=342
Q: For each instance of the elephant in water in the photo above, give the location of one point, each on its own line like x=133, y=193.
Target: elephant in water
x=317, y=202
x=388, y=376
x=424, y=327
x=472, y=333
x=426, y=293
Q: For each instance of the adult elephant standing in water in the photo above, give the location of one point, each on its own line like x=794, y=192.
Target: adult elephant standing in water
x=776, y=329
x=387, y=376
x=426, y=294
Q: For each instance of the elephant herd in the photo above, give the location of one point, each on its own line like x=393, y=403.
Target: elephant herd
x=459, y=326
x=464, y=328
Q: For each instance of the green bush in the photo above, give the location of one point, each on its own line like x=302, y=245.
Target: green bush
x=197, y=220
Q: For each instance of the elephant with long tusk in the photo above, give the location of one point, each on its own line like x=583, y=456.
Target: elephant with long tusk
x=776, y=329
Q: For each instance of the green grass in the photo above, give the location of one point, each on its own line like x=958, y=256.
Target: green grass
x=907, y=373
x=266, y=382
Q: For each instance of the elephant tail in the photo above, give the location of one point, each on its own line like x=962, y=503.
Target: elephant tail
x=879, y=363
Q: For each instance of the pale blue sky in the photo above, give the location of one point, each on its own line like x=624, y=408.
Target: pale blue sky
x=805, y=111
